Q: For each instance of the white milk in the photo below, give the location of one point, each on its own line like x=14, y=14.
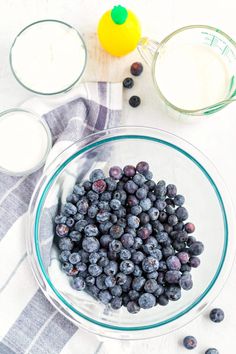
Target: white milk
x=48, y=57
x=23, y=142
x=191, y=76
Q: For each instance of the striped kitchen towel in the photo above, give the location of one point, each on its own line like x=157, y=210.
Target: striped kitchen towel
x=28, y=322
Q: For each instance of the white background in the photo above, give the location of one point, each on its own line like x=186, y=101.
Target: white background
x=216, y=136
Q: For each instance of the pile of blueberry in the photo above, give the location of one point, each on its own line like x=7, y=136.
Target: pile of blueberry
x=125, y=240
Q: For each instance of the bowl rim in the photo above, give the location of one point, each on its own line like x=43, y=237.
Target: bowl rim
x=116, y=138
x=49, y=20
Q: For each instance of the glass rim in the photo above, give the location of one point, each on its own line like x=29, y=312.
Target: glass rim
x=190, y=112
x=32, y=115
x=48, y=93
x=98, y=143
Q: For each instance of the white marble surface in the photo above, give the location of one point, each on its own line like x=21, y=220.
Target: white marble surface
x=215, y=136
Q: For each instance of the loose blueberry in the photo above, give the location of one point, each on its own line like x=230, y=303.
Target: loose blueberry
x=190, y=342
x=136, y=68
x=196, y=248
x=217, y=315
x=62, y=230
x=128, y=83
x=212, y=351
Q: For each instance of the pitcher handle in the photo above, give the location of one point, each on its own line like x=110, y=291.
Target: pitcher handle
x=147, y=49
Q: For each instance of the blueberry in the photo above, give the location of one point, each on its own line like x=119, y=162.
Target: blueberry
x=81, y=266
x=89, y=280
x=196, y=248
x=121, y=213
x=137, y=271
x=128, y=83
x=115, y=246
x=194, y=262
x=68, y=268
x=94, y=257
x=116, y=231
x=186, y=281
x=79, y=190
x=93, y=290
x=162, y=237
x=92, y=196
x=116, y=172
x=137, y=243
x=145, y=204
x=116, y=290
x=125, y=254
x=160, y=204
x=110, y=281
x=132, y=201
x=60, y=219
x=62, y=230
x=179, y=200
x=105, y=240
x=136, y=68
x=64, y=256
x=152, y=275
x=90, y=244
x=190, y=342
x=162, y=216
x=150, y=286
x=211, y=351
x=163, y=300
x=183, y=257
x=150, y=264
x=70, y=209
x=173, y=292
x=106, y=196
x=136, y=210
x=157, y=226
x=181, y=213
x=185, y=268
x=133, y=221
x=141, y=193
x=121, y=222
x=94, y=270
x=111, y=184
x=139, y=179
x=159, y=290
x=99, y=186
x=160, y=189
x=74, y=258
x=121, y=278
x=65, y=244
x=172, y=220
x=138, y=283
x=217, y=315
x=105, y=227
x=96, y=175
x=84, y=256
x=82, y=206
x=173, y=263
x=111, y=268
x=129, y=171
x=152, y=196
x=133, y=307
x=189, y=227
x=103, y=216
x=172, y=276
x=92, y=211
x=127, y=267
x=70, y=222
x=112, y=256
x=116, y=303
x=171, y=190
x=100, y=282
x=72, y=198
x=137, y=257
x=78, y=283
x=168, y=251
x=143, y=233
x=115, y=204
x=191, y=240
x=91, y=230
x=146, y=301
x=105, y=297
x=130, y=187
x=87, y=185
x=178, y=246
x=182, y=236
x=133, y=295
x=179, y=226
x=103, y=261
x=114, y=219
x=126, y=287
x=153, y=213
x=162, y=266
x=170, y=210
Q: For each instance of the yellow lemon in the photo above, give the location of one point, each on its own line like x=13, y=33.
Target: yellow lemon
x=119, y=31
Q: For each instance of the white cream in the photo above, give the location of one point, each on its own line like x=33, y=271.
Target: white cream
x=191, y=76
x=48, y=57
x=24, y=142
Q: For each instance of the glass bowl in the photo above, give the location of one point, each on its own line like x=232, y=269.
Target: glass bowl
x=207, y=200
x=38, y=59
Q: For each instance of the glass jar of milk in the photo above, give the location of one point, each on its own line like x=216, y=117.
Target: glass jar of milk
x=48, y=57
x=193, y=70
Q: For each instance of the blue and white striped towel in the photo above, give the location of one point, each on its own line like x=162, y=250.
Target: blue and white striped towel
x=28, y=322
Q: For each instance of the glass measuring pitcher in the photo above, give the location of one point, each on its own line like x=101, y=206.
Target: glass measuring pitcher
x=193, y=69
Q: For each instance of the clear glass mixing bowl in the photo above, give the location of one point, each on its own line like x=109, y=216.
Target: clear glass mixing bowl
x=207, y=200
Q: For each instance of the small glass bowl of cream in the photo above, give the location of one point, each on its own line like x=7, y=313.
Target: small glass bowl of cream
x=48, y=57
x=25, y=141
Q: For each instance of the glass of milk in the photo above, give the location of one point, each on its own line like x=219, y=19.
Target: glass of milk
x=193, y=69
x=48, y=57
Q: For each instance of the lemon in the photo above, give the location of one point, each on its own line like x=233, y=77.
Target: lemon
x=119, y=31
